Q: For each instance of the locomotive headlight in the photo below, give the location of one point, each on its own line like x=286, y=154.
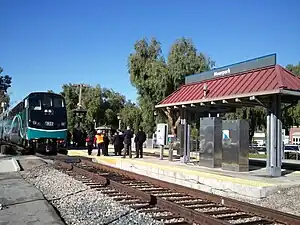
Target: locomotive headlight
x=63, y=124
x=34, y=122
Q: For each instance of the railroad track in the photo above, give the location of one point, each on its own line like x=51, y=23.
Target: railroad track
x=169, y=203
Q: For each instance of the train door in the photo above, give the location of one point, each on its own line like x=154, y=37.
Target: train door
x=26, y=116
x=15, y=131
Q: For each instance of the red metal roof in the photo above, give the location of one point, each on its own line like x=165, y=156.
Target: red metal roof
x=263, y=81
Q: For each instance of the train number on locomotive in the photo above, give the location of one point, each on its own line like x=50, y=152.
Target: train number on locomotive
x=49, y=123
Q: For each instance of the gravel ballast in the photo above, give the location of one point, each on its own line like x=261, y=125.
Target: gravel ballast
x=78, y=204
x=286, y=200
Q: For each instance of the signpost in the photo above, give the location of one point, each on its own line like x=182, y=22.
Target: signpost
x=264, y=61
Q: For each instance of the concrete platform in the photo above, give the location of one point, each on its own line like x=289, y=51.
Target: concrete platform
x=22, y=203
x=8, y=164
x=288, y=164
x=195, y=155
x=252, y=184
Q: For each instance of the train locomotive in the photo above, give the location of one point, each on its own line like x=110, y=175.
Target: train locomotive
x=38, y=123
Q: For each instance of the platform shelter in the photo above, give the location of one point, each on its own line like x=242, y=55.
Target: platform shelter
x=255, y=82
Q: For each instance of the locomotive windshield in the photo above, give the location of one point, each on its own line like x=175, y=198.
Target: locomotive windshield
x=47, y=111
x=46, y=102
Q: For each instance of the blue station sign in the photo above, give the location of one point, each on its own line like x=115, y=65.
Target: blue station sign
x=264, y=61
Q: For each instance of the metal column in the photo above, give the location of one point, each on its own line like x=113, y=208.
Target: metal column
x=186, y=144
x=274, y=138
x=181, y=133
x=184, y=136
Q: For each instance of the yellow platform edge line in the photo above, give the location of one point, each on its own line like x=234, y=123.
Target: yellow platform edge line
x=225, y=178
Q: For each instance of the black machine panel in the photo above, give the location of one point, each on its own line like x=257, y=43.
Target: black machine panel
x=210, y=142
x=235, y=145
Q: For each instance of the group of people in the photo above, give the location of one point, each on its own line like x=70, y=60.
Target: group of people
x=120, y=140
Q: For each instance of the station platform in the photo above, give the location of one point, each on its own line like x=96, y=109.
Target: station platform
x=195, y=155
x=21, y=203
x=253, y=184
x=8, y=164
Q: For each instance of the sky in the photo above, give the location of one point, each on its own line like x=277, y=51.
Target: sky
x=45, y=44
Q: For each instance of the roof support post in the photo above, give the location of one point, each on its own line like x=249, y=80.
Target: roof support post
x=274, y=137
x=181, y=131
x=184, y=135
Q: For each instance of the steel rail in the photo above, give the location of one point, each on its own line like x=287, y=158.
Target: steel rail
x=189, y=214
x=278, y=216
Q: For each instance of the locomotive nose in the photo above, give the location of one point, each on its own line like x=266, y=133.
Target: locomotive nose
x=49, y=112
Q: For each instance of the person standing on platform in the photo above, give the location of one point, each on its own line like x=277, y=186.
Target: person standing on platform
x=106, y=143
x=100, y=142
x=90, y=141
x=140, y=139
x=117, y=143
x=121, y=135
x=128, y=134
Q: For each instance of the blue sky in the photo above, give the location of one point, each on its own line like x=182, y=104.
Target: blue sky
x=44, y=44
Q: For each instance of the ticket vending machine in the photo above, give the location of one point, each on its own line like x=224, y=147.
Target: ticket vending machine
x=210, y=149
x=162, y=134
x=184, y=141
x=235, y=145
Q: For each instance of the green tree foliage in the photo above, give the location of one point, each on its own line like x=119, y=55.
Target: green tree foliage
x=291, y=117
x=294, y=69
x=256, y=117
x=131, y=115
x=154, y=78
x=71, y=98
x=183, y=60
x=102, y=105
x=194, y=132
x=148, y=74
x=112, y=102
x=5, y=83
x=92, y=101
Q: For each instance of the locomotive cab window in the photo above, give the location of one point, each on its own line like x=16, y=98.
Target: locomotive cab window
x=47, y=101
x=35, y=104
x=58, y=102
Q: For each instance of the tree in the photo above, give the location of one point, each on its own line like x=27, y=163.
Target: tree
x=148, y=73
x=294, y=69
x=5, y=83
x=131, y=115
x=92, y=101
x=291, y=117
x=102, y=105
x=183, y=60
x=71, y=98
x=154, y=78
x=256, y=117
x=113, y=102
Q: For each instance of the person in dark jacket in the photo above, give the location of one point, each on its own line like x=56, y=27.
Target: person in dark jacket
x=106, y=143
x=128, y=134
x=121, y=135
x=117, y=143
x=140, y=138
x=69, y=138
x=90, y=140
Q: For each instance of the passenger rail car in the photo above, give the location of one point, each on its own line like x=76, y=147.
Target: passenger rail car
x=39, y=123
